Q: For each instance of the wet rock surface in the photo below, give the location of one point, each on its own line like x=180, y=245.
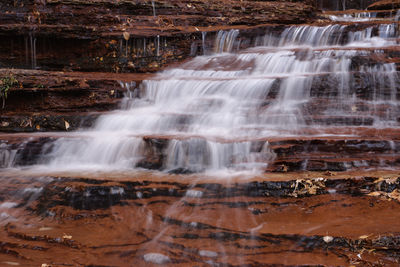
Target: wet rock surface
x=126, y=220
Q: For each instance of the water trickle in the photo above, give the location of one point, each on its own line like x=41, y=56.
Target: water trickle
x=154, y=8
x=34, y=54
x=26, y=51
x=144, y=47
x=397, y=17
x=126, y=47
x=225, y=41
x=193, y=49
x=203, y=42
x=131, y=93
x=30, y=51
x=130, y=89
x=7, y=156
x=158, y=45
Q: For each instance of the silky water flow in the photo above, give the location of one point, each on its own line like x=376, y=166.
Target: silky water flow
x=212, y=111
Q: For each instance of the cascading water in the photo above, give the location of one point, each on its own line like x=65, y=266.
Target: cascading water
x=213, y=109
x=356, y=17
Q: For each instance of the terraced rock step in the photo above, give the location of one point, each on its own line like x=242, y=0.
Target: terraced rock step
x=180, y=220
x=369, y=149
x=62, y=101
x=89, y=35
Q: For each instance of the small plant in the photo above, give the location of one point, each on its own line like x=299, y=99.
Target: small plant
x=6, y=83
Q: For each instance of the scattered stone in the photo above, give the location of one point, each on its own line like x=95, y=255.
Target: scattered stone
x=66, y=125
x=45, y=228
x=11, y=263
x=208, y=253
x=126, y=35
x=65, y=236
x=156, y=258
x=194, y=193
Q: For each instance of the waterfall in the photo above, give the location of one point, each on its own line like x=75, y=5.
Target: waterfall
x=216, y=112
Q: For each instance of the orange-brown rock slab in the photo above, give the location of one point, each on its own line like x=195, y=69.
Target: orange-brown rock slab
x=189, y=222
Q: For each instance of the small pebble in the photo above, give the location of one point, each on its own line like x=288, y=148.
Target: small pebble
x=156, y=258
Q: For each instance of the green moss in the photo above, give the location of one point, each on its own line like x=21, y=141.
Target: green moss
x=6, y=83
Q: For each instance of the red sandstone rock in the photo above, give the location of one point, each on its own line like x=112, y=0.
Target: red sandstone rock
x=385, y=4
